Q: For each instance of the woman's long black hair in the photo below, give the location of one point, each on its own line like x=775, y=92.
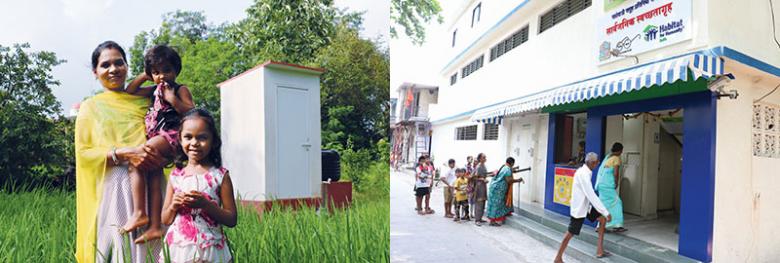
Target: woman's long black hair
x=215, y=155
x=103, y=46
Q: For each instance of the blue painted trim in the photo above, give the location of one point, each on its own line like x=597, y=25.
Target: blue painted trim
x=490, y=30
x=697, y=184
x=461, y=115
x=594, y=137
x=549, y=180
x=594, y=141
x=743, y=58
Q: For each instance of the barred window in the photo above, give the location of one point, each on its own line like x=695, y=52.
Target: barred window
x=466, y=133
x=561, y=12
x=519, y=37
x=473, y=66
x=454, y=78
x=491, y=132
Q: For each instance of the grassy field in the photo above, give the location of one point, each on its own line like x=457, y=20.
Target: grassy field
x=39, y=226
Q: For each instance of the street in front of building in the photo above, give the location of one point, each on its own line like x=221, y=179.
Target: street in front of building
x=434, y=238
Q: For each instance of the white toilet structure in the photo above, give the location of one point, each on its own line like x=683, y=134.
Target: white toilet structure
x=270, y=130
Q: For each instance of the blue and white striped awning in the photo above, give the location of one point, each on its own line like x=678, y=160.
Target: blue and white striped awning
x=527, y=104
x=654, y=74
x=688, y=67
x=492, y=114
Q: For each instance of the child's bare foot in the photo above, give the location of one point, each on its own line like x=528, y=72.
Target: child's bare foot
x=137, y=220
x=149, y=235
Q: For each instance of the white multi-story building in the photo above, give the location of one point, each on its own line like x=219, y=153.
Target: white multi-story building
x=687, y=86
x=411, y=137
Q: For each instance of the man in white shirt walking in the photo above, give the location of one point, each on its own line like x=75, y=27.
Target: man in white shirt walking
x=585, y=204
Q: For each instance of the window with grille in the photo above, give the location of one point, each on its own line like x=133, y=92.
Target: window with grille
x=475, y=14
x=473, y=66
x=561, y=12
x=454, y=78
x=519, y=37
x=466, y=133
x=491, y=132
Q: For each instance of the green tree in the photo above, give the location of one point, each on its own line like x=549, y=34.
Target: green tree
x=411, y=15
x=140, y=44
x=354, y=90
x=179, y=29
x=188, y=24
x=33, y=145
x=286, y=30
x=204, y=65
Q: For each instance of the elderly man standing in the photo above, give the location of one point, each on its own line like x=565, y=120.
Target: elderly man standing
x=582, y=197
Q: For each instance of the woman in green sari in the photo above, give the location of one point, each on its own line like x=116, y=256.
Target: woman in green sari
x=607, y=184
x=500, y=193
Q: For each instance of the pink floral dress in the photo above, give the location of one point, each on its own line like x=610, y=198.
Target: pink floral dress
x=194, y=236
x=162, y=118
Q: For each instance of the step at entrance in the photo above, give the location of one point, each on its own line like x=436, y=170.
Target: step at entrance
x=549, y=228
x=579, y=249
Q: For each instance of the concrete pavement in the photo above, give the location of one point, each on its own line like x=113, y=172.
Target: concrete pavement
x=434, y=238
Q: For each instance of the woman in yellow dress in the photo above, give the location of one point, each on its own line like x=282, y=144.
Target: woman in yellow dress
x=109, y=127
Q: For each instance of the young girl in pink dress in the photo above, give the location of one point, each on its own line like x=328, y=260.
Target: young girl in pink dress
x=169, y=101
x=199, y=199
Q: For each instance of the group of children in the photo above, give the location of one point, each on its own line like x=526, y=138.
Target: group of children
x=199, y=196
x=456, y=192
x=459, y=185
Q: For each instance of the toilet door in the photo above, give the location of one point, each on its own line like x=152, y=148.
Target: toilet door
x=294, y=144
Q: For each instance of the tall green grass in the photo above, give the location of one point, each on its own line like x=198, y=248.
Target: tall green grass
x=39, y=225
x=359, y=234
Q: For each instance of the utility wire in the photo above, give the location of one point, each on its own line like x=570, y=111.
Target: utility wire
x=774, y=35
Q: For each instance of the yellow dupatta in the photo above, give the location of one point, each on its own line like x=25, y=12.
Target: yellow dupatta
x=109, y=119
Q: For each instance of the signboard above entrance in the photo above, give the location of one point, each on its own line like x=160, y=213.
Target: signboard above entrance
x=627, y=28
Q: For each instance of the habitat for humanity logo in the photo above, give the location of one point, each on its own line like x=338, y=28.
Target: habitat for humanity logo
x=653, y=32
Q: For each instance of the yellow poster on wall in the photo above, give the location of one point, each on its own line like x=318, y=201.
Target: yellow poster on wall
x=564, y=177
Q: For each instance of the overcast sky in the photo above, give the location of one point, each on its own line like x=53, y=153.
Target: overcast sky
x=73, y=28
x=421, y=64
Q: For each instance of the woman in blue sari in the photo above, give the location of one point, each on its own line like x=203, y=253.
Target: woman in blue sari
x=607, y=184
x=500, y=193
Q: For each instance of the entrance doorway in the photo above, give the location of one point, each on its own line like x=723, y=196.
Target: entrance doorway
x=698, y=177
x=522, y=143
x=651, y=172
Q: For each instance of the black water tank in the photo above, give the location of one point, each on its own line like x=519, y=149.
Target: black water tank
x=331, y=165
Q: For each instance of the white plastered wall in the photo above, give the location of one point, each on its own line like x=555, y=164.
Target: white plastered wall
x=243, y=144
x=445, y=147
x=746, y=228
x=565, y=53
